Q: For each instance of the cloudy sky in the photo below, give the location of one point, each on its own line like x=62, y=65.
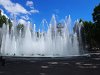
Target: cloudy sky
x=36, y=10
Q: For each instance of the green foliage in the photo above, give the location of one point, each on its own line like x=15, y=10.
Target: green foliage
x=88, y=31
x=96, y=19
x=87, y=34
x=97, y=34
x=3, y=20
x=20, y=27
x=96, y=15
x=91, y=31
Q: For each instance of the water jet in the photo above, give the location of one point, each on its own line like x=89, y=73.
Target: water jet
x=56, y=41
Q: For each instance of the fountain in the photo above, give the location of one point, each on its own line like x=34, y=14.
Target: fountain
x=56, y=41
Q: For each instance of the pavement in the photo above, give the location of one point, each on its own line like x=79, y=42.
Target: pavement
x=80, y=65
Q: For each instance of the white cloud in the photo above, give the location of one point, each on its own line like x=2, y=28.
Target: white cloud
x=16, y=8
x=29, y=3
x=25, y=17
x=21, y=21
x=13, y=7
x=34, y=11
x=2, y=12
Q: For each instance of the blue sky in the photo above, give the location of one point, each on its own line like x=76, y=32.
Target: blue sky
x=36, y=10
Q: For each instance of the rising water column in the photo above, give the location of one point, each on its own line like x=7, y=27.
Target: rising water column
x=49, y=43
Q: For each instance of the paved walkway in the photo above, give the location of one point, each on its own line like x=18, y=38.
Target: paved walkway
x=51, y=66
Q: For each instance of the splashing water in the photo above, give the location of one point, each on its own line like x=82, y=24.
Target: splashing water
x=56, y=41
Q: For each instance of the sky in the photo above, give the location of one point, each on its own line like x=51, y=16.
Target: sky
x=36, y=10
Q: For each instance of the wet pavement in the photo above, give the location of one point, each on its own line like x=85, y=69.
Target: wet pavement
x=51, y=66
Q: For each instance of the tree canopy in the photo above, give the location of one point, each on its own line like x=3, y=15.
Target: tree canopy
x=96, y=19
x=4, y=19
x=91, y=30
x=96, y=15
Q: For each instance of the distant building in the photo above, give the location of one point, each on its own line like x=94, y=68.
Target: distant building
x=57, y=30
x=0, y=12
x=60, y=28
x=0, y=31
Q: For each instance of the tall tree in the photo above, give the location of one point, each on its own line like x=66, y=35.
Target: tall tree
x=96, y=19
x=96, y=15
x=3, y=20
